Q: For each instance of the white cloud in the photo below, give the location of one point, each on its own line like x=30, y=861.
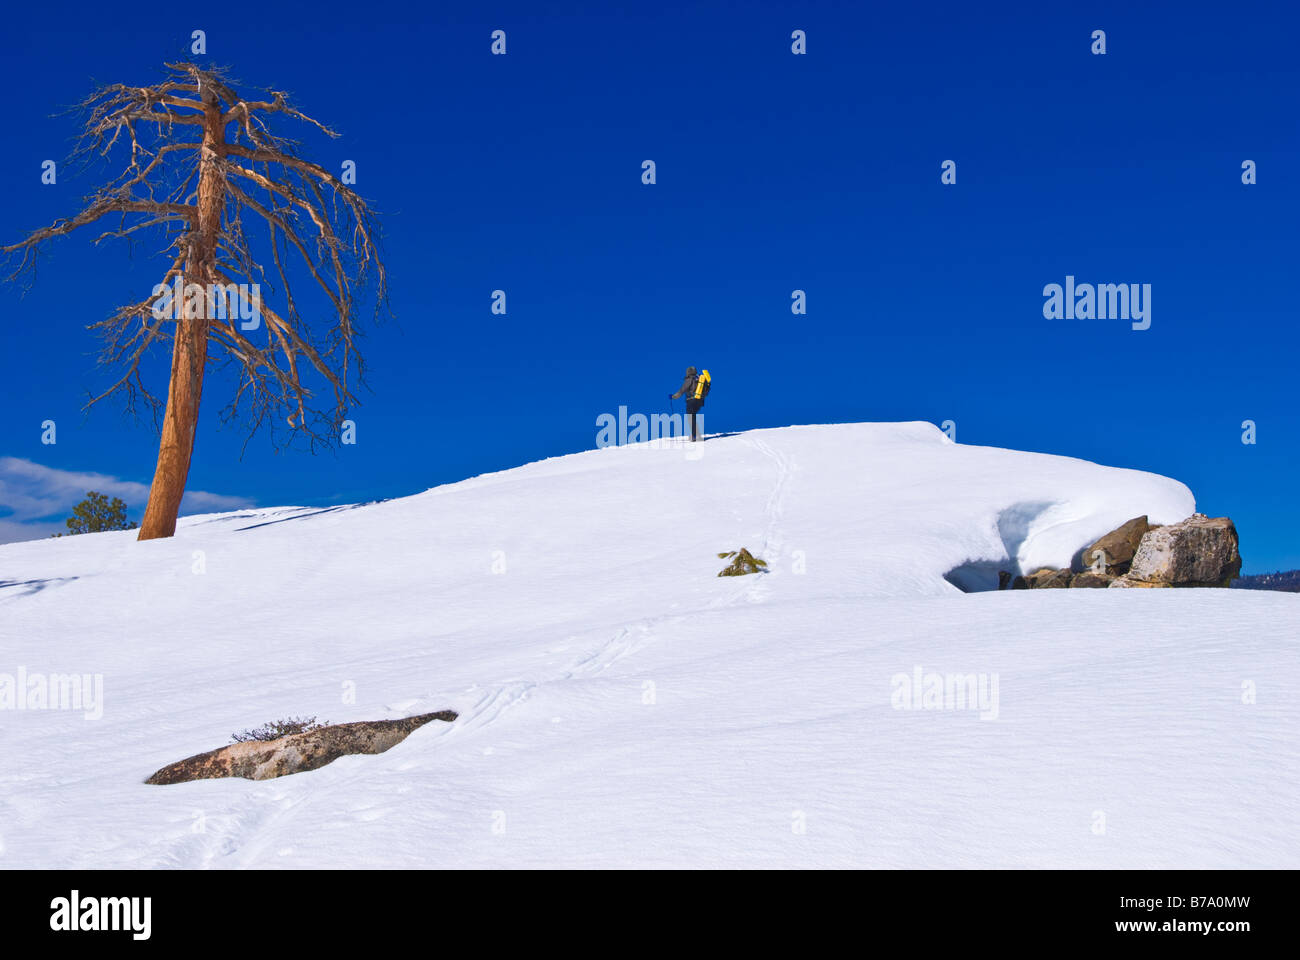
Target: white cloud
x=12, y=532
x=35, y=499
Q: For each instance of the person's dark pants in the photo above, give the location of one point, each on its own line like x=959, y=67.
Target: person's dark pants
x=693, y=407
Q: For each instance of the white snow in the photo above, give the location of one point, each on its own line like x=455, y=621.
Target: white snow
x=622, y=706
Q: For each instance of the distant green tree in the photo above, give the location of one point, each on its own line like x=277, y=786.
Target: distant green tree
x=96, y=514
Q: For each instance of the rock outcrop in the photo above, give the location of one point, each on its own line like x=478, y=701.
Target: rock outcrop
x=1126, y=582
x=1113, y=553
x=1046, y=578
x=1197, y=552
x=265, y=759
x=1091, y=579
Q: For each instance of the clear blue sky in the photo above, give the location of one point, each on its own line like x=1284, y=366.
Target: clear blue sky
x=775, y=172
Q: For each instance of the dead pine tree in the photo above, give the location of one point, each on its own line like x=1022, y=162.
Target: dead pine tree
x=234, y=203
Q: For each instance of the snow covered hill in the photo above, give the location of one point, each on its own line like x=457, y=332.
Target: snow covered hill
x=621, y=705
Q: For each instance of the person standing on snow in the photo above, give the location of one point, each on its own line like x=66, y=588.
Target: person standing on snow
x=694, y=388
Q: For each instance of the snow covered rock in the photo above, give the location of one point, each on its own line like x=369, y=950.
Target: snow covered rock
x=1197, y=552
x=267, y=759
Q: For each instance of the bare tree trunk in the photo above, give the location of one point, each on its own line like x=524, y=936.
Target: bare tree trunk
x=190, y=348
x=169, y=127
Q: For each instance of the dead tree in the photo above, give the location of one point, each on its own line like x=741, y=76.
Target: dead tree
x=235, y=203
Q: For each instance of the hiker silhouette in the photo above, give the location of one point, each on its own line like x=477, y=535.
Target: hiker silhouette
x=695, y=387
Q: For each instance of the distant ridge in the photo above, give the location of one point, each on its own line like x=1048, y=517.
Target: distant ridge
x=1287, y=581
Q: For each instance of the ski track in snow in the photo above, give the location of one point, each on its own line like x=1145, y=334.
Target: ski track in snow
x=771, y=543
x=775, y=508
x=504, y=697
x=769, y=549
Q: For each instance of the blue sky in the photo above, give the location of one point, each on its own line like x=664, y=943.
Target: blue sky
x=775, y=172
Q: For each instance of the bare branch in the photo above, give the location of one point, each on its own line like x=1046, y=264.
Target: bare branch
x=185, y=143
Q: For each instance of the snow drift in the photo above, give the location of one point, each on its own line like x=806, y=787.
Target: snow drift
x=621, y=705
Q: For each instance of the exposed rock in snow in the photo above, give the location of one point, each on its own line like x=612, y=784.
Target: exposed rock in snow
x=1090, y=579
x=298, y=752
x=1198, y=552
x=1114, y=552
x=1046, y=578
x=1128, y=582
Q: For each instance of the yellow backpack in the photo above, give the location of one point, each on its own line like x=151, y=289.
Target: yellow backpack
x=702, y=384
